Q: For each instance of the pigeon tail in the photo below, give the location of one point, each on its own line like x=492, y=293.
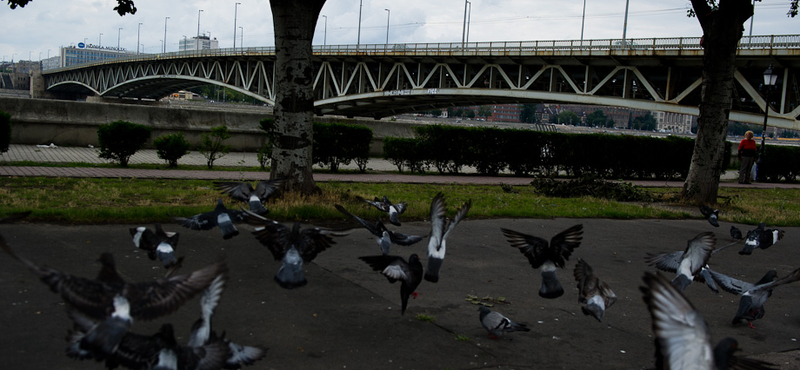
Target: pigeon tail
x=257, y=207
x=680, y=282
x=432, y=273
x=595, y=307
x=551, y=287
x=709, y=280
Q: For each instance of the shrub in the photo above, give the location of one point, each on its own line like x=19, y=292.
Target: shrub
x=591, y=186
x=211, y=144
x=120, y=140
x=405, y=152
x=338, y=144
x=264, y=155
x=5, y=131
x=171, y=147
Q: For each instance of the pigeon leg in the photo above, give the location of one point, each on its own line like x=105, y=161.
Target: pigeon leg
x=414, y=295
x=750, y=324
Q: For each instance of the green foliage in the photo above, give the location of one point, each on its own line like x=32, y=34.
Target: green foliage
x=404, y=153
x=779, y=163
x=567, y=117
x=212, y=144
x=264, y=155
x=592, y=186
x=425, y=318
x=645, y=123
x=5, y=131
x=120, y=140
x=598, y=119
x=171, y=147
x=337, y=144
x=528, y=113
x=484, y=111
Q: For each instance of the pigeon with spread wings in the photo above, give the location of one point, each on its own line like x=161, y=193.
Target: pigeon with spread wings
x=593, y=293
x=546, y=256
x=441, y=227
x=220, y=216
x=292, y=245
x=395, y=269
x=689, y=264
x=751, y=305
x=760, y=237
x=383, y=236
x=384, y=205
x=158, y=244
x=244, y=192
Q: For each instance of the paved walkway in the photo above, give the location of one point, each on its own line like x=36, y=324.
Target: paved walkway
x=379, y=170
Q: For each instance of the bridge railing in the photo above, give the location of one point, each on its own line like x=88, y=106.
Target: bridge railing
x=500, y=48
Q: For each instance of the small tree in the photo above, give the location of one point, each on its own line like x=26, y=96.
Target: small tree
x=211, y=144
x=5, y=131
x=171, y=147
x=120, y=140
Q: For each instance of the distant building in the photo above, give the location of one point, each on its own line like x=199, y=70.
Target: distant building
x=674, y=122
x=84, y=53
x=25, y=66
x=198, y=43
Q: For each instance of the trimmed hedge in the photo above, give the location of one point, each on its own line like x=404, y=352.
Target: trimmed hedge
x=527, y=152
x=779, y=162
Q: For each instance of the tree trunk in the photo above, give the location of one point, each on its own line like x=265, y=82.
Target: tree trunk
x=294, y=102
x=722, y=30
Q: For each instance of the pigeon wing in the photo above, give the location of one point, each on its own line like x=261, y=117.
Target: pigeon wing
x=403, y=239
x=668, y=262
x=271, y=234
x=533, y=247
x=459, y=215
x=792, y=277
x=437, y=224
x=373, y=228
x=237, y=190
x=164, y=296
x=564, y=243
x=265, y=189
x=682, y=333
x=314, y=240
x=698, y=251
x=377, y=203
x=729, y=284
x=202, y=221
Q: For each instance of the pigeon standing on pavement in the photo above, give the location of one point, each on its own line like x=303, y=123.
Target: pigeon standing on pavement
x=293, y=246
x=255, y=198
x=383, y=236
x=498, y=325
x=220, y=216
x=440, y=230
x=594, y=294
x=690, y=263
x=683, y=339
x=396, y=268
x=760, y=237
x=751, y=305
x=159, y=245
x=736, y=234
x=384, y=205
x=546, y=256
x=711, y=214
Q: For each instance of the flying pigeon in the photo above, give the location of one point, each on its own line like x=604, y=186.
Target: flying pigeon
x=220, y=216
x=760, y=237
x=243, y=191
x=383, y=236
x=292, y=246
x=498, y=325
x=751, y=305
x=691, y=264
x=396, y=268
x=202, y=334
x=711, y=214
x=96, y=298
x=548, y=257
x=595, y=295
x=384, y=205
x=159, y=351
x=736, y=234
x=440, y=229
x=159, y=245
x=683, y=339
x=99, y=338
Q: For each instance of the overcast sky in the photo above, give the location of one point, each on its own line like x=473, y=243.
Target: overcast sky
x=43, y=26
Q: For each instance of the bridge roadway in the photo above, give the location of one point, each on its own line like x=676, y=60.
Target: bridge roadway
x=661, y=74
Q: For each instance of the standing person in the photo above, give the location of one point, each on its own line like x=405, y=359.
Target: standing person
x=747, y=155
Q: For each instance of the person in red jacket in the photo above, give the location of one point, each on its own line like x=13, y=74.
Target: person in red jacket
x=747, y=155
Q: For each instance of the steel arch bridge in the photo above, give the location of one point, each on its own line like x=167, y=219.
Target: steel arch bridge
x=660, y=74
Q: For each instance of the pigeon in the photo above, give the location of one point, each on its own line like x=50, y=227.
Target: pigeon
x=440, y=229
x=292, y=246
x=96, y=298
x=220, y=216
x=548, y=257
x=243, y=191
x=760, y=237
x=595, y=295
x=99, y=338
x=691, y=264
x=384, y=205
x=396, y=268
x=498, y=325
x=383, y=236
x=202, y=334
x=711, y=214
x=736, y=234
x=683, y=339
x=159, y=245
x=751, y=305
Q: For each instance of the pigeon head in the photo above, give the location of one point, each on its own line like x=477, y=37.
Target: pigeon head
x=768, y=277
x=413, y=258
x=725, y=350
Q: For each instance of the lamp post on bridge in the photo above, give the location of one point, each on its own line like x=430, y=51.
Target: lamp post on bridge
x=770, y=78
x=164, y=42
x=119, y=32
x=388, y=14
x=235, y=14
x=100, y=40
x=325, y=34
x=138, y=33
x=358, y=40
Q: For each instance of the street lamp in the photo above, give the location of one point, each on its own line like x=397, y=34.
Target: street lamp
x=360, y=5
x=770, y=78
x=583, y=19
x=464, y=28
x=241, y=35
x=469, y=19
x=100, y=40
x=388, y=14
x=164, y=41
x=235, y=13
x=138, y=32
x=625, y=24
x=325, y=34
x=198, y=24
x=119, y=32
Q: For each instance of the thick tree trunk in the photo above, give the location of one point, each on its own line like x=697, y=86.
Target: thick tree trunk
x=722, y=30
x=294, y=102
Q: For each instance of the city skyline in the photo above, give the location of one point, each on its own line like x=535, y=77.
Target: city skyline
x=45, y=25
